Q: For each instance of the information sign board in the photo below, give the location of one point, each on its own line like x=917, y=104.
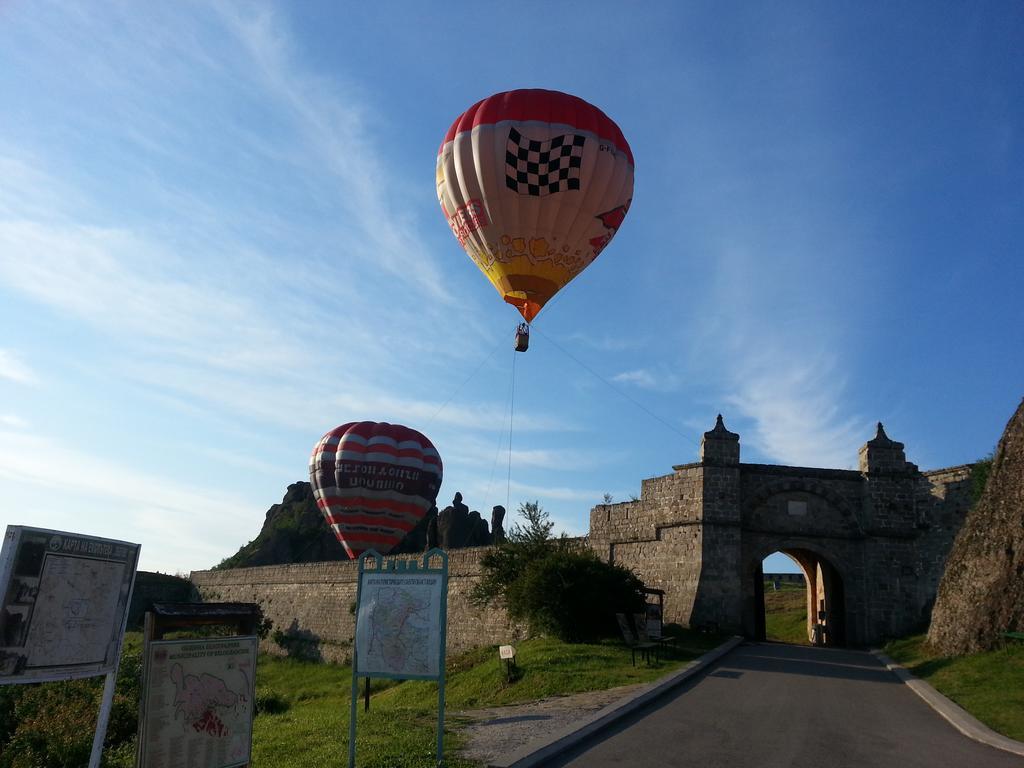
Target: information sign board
x=197, y=703
x=398, y=626
x=64, y=601
x=401, y=628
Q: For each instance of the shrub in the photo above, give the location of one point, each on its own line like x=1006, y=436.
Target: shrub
x=525, y=544
x=55, y=724
x=980, y=471
x=9, y=695
x=52, y=724
x=574, y=596
x=270, y=702
x=555, y=588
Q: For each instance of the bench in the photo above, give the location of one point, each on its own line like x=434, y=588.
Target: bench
x=1014, y=635
x=633, y=639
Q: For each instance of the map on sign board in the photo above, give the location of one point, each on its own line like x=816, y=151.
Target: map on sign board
x=64, y=600
x=198, y=703
x=398, y=625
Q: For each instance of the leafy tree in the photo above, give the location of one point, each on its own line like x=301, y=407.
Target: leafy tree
x=556, y=587
x=524, y=544
x=574, y=596
x=538, y=527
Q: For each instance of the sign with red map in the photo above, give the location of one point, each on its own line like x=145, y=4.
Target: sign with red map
x=198, y=703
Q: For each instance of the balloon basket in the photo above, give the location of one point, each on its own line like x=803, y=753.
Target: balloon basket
x=522, y=337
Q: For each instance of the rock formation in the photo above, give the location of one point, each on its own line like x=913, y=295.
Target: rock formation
x=982, y=591
x=294, y=532
x=458, y=527
x=498, y=524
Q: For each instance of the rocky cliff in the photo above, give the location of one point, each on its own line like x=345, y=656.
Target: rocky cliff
x=982, y=591
x=293, y=532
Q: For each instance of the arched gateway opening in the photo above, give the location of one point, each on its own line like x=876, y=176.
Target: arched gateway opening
x=824, y=599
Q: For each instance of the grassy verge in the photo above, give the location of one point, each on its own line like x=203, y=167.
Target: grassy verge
x=546, y=668
x=399, y=730
x=313, y=728
x=989, y=685
x=785, y=614
x=303, y=707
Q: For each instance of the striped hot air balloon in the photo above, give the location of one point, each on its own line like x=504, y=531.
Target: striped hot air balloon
x=534, y=185
x=374, y=482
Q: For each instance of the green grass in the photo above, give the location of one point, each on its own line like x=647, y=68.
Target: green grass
x=313, y=730
x=303, y=707
x=399, y=731
x=785, y=614
x=989, y=685
x=547, y=667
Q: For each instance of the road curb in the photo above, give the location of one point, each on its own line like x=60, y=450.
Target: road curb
x=536, y=752
x=956, y=715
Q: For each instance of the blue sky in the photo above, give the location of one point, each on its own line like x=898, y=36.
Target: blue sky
x=219, y=238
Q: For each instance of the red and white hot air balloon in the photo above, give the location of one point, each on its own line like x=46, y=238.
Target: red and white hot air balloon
x=374, y=482
x=534, y=185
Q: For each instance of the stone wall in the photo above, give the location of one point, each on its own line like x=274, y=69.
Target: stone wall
x=312, y=605
x=659, y=536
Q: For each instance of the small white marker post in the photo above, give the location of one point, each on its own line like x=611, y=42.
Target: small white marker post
x=508, y=654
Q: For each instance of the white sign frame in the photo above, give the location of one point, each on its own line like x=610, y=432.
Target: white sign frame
x=25, y=584
x=32, y=562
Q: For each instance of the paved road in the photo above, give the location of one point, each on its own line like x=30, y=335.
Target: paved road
x=783, y=706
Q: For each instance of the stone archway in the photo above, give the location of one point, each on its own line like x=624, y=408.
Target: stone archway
x=825, y=591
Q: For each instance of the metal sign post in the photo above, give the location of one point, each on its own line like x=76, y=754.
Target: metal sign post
x=401, y=629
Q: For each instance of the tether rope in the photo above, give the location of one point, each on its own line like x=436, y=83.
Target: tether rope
x=459, y=388
x=596, y=375
x=511, y=414
x=501, y=439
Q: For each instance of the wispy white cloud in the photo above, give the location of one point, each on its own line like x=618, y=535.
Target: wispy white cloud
x=243, y=460
x=473, y=451
x=557, y=493
x=13, y=421
x=605, y=342
x=134, y=289
x=795, y=407
x=294, y=399
x=336, y=128
x=772, y=323
x=13, y=368
x=789, y=386
x=648, y=379
x=232, y=280
x=26, y=191
x=177, y=525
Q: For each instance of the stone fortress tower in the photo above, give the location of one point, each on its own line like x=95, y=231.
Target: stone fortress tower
x=871, y=542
